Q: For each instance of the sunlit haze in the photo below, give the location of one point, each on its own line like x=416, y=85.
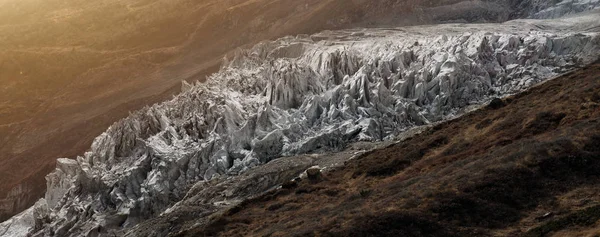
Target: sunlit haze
x=299, y=118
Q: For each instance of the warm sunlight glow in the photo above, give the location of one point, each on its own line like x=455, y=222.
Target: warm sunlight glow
x=299, y=118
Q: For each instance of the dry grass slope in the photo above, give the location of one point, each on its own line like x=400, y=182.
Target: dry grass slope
x=528, y=165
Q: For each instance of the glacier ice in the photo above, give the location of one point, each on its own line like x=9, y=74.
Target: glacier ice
x=299, y=95
x=18, y=225
x=566, y=7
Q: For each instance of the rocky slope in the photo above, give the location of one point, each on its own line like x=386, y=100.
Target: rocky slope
x=292, y=96
x=527, y=165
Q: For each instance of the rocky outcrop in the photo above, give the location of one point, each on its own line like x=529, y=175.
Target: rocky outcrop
x=299, y=95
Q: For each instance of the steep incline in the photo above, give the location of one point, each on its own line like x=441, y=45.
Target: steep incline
x=528, y=165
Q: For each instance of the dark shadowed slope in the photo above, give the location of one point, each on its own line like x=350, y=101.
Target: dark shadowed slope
x=528, y=165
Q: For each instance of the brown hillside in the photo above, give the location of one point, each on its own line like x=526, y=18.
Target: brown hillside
x=528, y=165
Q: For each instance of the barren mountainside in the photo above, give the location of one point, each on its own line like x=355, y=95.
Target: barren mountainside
x=69, y=69
x=526, y=165
x=410, y=130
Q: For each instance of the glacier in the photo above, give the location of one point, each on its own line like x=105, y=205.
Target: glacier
x=298, y=95
x=562, y=8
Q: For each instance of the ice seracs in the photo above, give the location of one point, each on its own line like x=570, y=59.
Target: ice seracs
x=566, y=7
x=300, y=95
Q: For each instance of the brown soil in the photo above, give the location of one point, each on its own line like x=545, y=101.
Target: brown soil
x=526, y=166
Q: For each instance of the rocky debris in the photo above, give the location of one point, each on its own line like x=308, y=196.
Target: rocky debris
x=298, y=95
x=313, y=174
x=440, y=185
x=496, y=103
x=290, y=184
x=209, y=198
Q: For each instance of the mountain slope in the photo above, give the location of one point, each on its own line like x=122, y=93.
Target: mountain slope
x=69, y=69
x=292, y=96
x=527, y=165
